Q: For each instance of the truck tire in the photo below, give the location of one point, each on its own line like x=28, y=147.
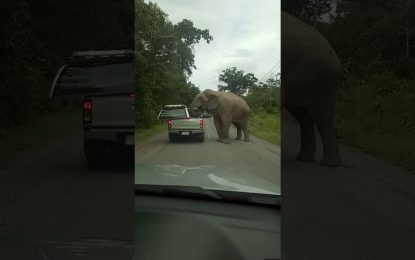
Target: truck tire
x=94, y=153
x=172, y=138
x=93, y=160
x=201, y=138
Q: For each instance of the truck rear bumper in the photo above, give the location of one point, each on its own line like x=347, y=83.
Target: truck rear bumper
x=191, y=131
x=121, y=137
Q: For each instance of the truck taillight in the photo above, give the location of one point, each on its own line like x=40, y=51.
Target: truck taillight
x=87, y=110
x=201, y=123
x=169, y=123
x=131, y=95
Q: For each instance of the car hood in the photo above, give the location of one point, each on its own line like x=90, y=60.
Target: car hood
x=205, y=176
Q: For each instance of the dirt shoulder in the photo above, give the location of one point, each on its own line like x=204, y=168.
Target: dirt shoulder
x=17, y=141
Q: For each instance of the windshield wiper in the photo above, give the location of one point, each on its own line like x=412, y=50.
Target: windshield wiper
x=202, y=193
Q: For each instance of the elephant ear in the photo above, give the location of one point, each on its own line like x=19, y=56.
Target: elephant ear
x=212, y=103
x=213, y=99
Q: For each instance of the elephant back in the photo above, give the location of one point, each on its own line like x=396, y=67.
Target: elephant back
x=309, y=64
x=237, y=102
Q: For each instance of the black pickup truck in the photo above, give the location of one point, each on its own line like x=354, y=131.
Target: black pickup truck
x=105, y=80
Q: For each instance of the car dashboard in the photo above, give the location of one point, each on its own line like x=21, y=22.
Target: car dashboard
x=184, y=228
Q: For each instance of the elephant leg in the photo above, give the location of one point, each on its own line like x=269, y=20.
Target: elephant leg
x=225, y=127
x=238, y=131
x=244, y=126
x=218, y=126
x=324, y=118
x=307, y=134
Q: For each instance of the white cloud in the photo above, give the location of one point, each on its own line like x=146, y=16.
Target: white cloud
x=246, y=34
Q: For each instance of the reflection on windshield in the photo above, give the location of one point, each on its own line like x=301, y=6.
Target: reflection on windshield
x=177, y=170
x=207, y=176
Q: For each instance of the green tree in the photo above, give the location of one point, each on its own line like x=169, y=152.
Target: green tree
x=37, y=36
x=309, y=11
x=187, y=35
x=265, y=96
x=236, y=81
x=164, y=60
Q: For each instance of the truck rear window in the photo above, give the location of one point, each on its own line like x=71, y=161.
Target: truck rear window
x=113, y=78
x=174, y=113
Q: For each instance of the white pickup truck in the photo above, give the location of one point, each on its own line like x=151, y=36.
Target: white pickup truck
x=181, y=124
x=105, y=80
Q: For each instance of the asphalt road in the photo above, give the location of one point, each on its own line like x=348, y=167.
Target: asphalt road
x=52, y=206
x=52, y=203
x=363, y=210
x=257, y=157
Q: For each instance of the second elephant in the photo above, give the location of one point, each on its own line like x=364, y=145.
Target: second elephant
x=311, y=75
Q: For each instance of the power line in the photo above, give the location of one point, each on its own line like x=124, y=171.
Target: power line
x=276, y=71
x=268, y=73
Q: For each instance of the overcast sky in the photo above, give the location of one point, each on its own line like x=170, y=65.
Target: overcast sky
x=246, y=34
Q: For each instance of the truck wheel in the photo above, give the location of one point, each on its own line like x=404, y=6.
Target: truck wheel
x=93, y=160
x=94, y=154
x=201, y=138
x=172, y=138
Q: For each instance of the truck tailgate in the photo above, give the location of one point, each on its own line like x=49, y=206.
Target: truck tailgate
x=113, y=111
x=187, y=123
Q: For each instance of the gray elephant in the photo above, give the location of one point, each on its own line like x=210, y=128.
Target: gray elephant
x=311, y=74
x=226, y=108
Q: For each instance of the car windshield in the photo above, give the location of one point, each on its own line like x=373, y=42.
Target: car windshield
x=228, y=144
x=96, y=78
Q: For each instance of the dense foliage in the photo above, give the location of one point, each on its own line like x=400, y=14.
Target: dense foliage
x=265, y=97
x=36, y=38
x=309, y=11
x=264, y=101
x=164, y=61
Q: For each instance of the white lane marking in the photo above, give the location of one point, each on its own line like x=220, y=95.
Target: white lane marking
x=240, y=187
x=179, y=170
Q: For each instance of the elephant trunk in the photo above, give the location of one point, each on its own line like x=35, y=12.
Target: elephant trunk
x=192, y=106
x=193, y=109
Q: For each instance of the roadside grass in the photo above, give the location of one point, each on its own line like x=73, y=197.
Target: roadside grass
x=38, y=132
x=376, y=116
x=266, y=126
x=143, y=134
x=398, y=149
